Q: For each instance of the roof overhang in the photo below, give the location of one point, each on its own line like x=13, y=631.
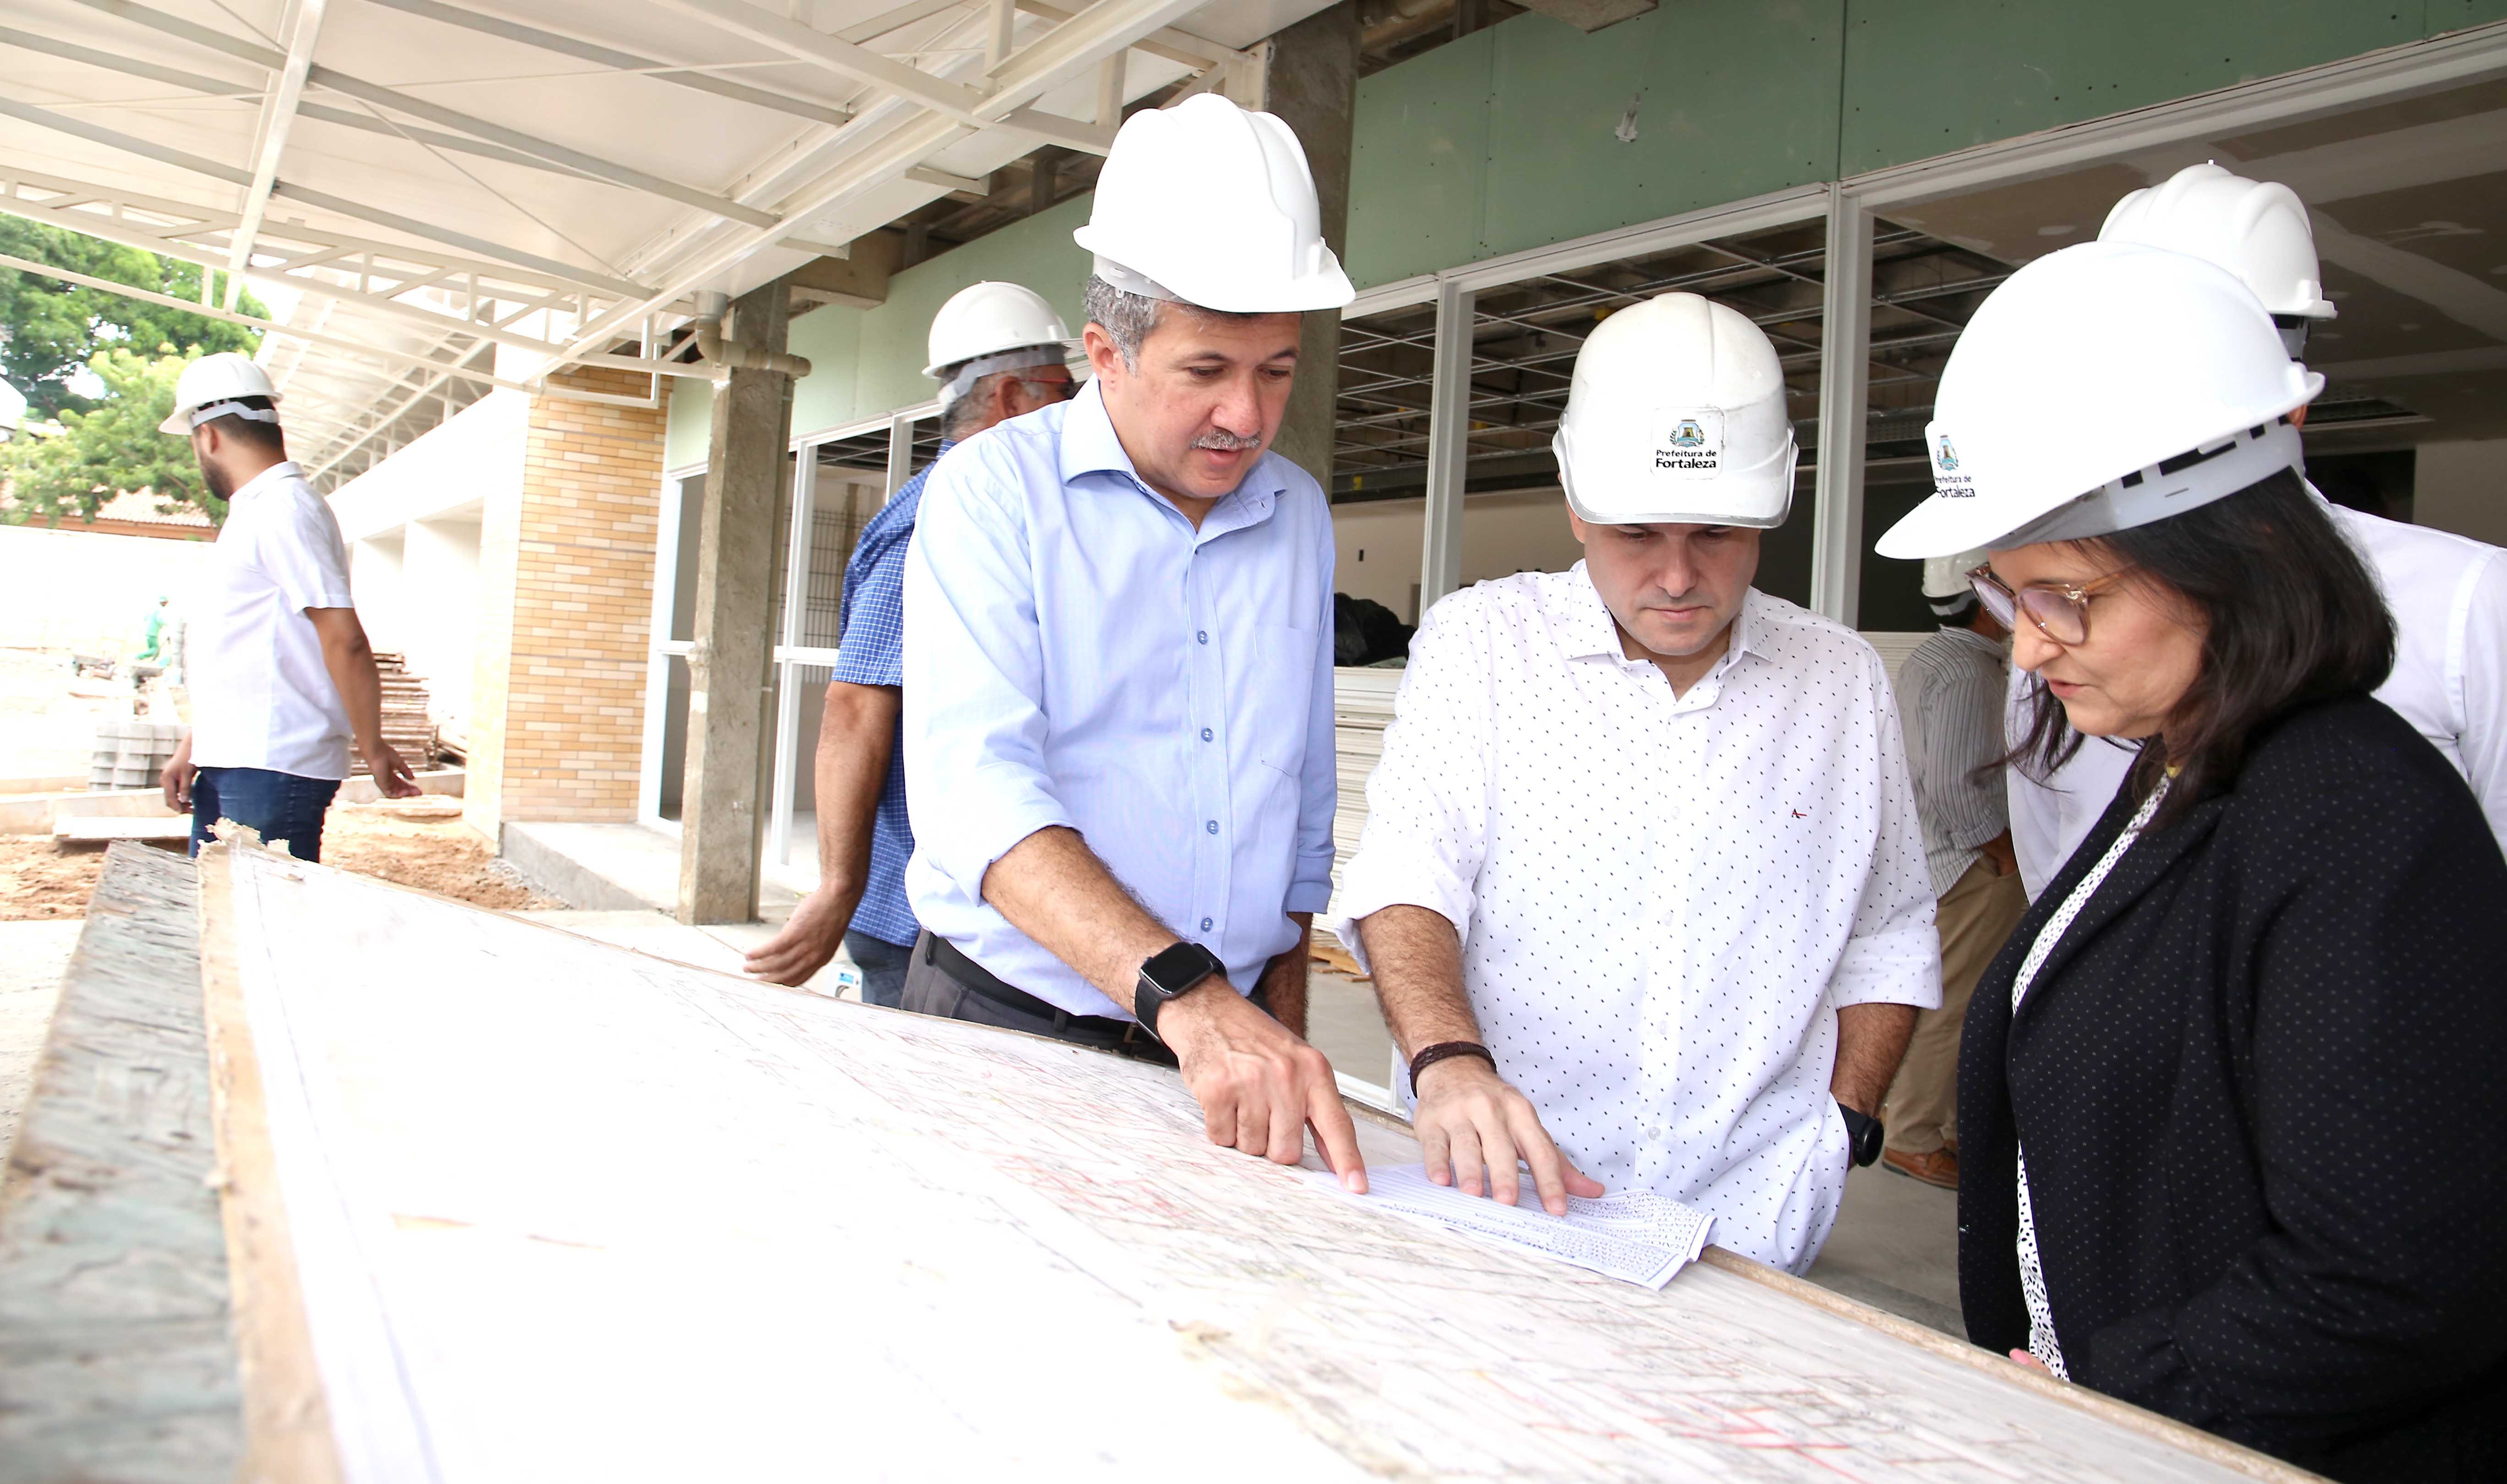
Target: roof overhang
x=442, y=197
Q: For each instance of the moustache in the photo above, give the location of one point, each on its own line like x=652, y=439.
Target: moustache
x=1226, y=443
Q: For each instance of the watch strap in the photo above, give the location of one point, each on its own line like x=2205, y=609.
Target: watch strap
x=1863, y=1135
x=1148, y=996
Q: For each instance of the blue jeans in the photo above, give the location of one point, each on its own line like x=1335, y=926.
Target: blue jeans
x=882, y=968
x=279, y=805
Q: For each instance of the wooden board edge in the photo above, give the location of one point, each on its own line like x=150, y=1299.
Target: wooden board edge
x=2209, y=1446
x=287, y=1417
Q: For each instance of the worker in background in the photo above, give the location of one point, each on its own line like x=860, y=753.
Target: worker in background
x=1642, y=886
x=2447, y=593
x=283, y=680
x=2229, y=1097
x=1118, y=648
x=154, y=634
x=1950, y=696
x=999, y=351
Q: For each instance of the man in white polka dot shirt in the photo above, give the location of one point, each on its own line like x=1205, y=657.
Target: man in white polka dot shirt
x=1642, y=886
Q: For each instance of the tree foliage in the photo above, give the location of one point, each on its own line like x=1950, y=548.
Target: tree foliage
x=112, y=447
x=49, y=328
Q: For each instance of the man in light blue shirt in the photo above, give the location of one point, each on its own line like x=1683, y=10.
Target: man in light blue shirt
x=1118, y=646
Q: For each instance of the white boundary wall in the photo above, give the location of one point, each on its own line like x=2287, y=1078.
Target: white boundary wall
x=87, y=591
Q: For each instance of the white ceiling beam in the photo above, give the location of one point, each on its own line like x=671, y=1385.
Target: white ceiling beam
x=298, y=28
x=903, y=15
x=249, y=321
x=1194, y=52
x=197, y=234
x=371, y=215
x=128, y=66
x=335, y=81
x=885, y=156
x=616, y=174
x=625, y=62
x=1075, y=46
x=834, y=53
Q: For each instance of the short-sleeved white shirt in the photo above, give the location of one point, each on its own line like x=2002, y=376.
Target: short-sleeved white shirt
x=1663, y=900
x=261, y=695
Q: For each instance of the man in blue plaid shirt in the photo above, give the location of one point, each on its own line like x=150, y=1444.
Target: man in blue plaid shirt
x=997, y=351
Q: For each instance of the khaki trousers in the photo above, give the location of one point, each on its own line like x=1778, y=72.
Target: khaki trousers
x=1974, y=918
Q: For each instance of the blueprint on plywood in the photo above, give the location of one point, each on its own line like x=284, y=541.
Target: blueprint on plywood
x=560, y=1210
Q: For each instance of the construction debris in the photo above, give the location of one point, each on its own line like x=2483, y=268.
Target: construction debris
x=407, y=727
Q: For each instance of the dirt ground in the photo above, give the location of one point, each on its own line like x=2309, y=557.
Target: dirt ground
x=419, y=843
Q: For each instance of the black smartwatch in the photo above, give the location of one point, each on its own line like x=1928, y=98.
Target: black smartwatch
x=1170, y=972
x=1862, y=1135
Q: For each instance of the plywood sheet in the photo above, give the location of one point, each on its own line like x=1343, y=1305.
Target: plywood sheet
x=562, y=1210
x=115, y=1360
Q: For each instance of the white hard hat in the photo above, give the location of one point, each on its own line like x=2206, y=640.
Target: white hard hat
x=2099, y=388
x=1676, y=415
x=989, y=327
x=1946, y=576
x=1263, y=254
x=2254, y=228
x=988, y=318
x=209, y=387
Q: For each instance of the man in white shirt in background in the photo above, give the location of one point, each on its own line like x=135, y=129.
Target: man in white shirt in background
x=1950, y=696
x=2447, y=593
x=281, y=678
x=1641, y=887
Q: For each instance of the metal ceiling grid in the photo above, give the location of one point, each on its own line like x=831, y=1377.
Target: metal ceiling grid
x=1525, y=336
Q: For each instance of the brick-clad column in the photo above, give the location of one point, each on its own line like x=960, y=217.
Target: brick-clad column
x=567, y=570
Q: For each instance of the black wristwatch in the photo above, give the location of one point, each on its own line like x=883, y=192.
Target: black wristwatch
x=1170, y=972
x=1862, y=1135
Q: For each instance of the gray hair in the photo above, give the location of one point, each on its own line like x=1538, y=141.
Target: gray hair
x=957, y=419
x=1128, y=318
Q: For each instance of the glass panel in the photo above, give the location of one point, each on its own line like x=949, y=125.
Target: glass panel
x=810, y=701
x=675, y=738
x=683, y=590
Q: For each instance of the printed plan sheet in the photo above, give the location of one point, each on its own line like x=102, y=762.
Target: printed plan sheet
x=1633, y=1236
x=562, y=1211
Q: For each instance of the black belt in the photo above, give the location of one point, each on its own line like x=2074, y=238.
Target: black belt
x=1102, y=1030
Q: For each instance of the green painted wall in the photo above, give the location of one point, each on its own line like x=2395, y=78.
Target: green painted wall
x=1511, y=138
x=1923, y=79
x=1508, y=139
x=865, y=363
x=690, y=435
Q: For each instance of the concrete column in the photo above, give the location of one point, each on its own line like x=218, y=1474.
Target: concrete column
x=730, y=666
x=1308, y=76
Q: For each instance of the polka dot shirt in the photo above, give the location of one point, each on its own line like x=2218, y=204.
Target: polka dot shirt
x=1663, y=900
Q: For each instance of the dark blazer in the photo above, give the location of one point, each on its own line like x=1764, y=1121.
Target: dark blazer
x=2261, y=1082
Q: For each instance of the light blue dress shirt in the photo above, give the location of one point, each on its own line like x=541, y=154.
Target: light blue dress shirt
x=1078, y=653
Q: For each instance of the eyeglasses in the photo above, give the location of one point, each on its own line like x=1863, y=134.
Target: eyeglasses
x=2060, y=611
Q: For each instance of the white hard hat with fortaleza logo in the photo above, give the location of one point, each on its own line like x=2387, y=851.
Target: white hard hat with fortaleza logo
x=1676, y=416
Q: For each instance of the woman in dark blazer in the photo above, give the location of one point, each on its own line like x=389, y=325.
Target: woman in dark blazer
x=2233, y=1100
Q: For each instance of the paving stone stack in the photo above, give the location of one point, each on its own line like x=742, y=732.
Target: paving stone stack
x=406, y=725
x=130, y=754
